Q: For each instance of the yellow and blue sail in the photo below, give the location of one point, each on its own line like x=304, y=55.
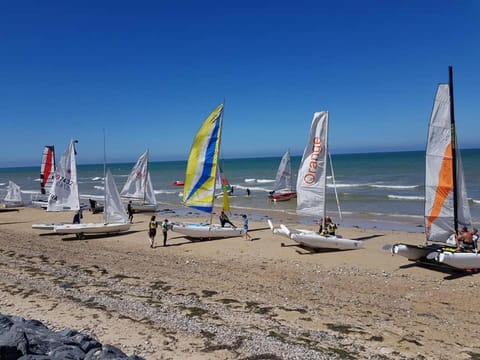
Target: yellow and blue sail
x=199, y=188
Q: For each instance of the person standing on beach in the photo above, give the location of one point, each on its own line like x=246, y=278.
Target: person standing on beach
x=77, y=217
x=165, y=226
x=225, y=220
x=130, y=212
x=245, y=228
x=152, y=230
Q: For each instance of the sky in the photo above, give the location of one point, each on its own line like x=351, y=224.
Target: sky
x=147, y=73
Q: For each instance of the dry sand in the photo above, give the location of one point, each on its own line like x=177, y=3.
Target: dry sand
x=236, y=299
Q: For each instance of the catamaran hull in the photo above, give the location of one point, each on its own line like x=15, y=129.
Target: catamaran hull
x=205, y=231
x=314, y=240
x=91, y=228
x=412, y=252
x=459, y=260
x=46, y=226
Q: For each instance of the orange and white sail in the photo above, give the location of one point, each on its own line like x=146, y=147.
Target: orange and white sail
x=311, y=181
x=440, y=179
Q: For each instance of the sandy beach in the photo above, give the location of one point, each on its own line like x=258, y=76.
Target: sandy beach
x=237, y=299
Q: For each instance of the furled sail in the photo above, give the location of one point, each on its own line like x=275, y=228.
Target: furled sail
x=47, y=167
x=198, y=191
x=439, y=176
x=64, y=191
x=311, y=181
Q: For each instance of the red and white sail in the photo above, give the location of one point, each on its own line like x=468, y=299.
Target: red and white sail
x=47, y=168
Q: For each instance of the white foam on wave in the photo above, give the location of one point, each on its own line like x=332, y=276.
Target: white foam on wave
x=265, y=181
x=476, y=201
x=97, y=178
x=164, y=192
x=337, y=185
x=250, y=180
x=30, y=191
x=398, y=187
x=90, y=196
x=401, y=197
x=98, y=187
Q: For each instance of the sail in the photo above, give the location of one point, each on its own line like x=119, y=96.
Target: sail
x=283, y=180
x=64, y=190
x=198, y=191
x=136, y=185
x=149, y=193
x=14, y=194
x=439, y=181
x=311, y=181
x=114, y=211
x=47, y=167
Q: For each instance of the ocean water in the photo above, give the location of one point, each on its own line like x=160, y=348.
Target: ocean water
x=382, y=190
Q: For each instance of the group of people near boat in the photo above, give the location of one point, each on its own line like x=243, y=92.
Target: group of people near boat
x=225, y=220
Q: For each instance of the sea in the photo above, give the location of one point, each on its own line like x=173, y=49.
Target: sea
x=374, y=190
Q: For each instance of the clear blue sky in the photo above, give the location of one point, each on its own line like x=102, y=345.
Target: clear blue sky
x=149, y=72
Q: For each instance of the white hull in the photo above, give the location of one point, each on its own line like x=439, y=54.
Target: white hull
x=203, y=231
x=91, y=228
x=460, y=260
x=314, y=240
x=412, y=252
x=49, y=226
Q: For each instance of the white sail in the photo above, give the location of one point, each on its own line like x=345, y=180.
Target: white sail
x=64, y=190
x=439, y=181
x=14, y=194
x=114, y=211
x=283, y=179
x=135, y=187
x=311, y=181
x=149, y=193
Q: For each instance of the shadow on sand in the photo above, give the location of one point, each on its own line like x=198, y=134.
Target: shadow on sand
x=452, y=273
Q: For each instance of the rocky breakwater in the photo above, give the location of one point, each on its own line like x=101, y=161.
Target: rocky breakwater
x=24, y=339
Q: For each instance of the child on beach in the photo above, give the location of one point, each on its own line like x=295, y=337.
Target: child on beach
x=152, y=230
x=245, y=228
x=165, y=227
x=130, y=212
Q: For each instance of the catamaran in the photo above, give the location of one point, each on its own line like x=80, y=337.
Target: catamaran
x=446, y=203
x=138, y=187
x=115, y=217
x=200, y=179
x=311, y=186
x=283, y=187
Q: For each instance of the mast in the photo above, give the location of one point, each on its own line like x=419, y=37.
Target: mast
x=145, y=181
x=324, y=210
x=218, y=156
x=454, y=149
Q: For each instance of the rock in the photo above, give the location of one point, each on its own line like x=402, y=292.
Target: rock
x=22, y=339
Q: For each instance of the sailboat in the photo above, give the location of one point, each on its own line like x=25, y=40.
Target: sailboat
x=138, y=187
x=63, y=194
x=446, y=203
x=47, y=170
x=13, y=196
x=115, y=217
x=311, y=186
x=283, y=187
x=200, y=179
